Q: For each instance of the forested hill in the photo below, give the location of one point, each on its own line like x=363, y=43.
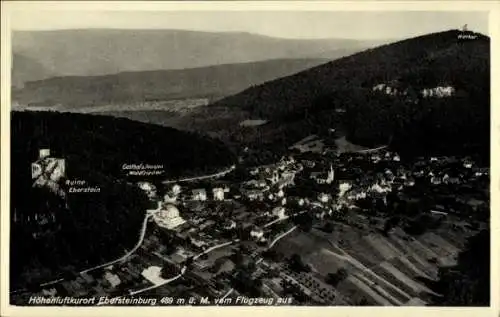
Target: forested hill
x=103, y=144
x=53, y=233
x=309, y=98
x=211, y=82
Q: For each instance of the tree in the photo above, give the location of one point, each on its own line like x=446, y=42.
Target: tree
x=273, y=255
x=243, y=282
x=296, y=264
x=328, y=227
x=390, y=224
x=304, y=221
x=294, y=290
x=420, y=225
x=467, y=283
x=237, y=257
x=335, y=278
x=363, y=302
x=189, y=261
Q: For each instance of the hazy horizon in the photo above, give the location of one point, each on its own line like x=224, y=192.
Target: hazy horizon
x=278, y=24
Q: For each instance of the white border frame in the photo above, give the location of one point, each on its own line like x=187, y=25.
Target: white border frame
x=494, y=25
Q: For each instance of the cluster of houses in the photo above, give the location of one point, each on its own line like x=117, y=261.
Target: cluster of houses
x=435, y=92
x=268, y=181
x=388, y=90
x=175, y=193
x=438, y=92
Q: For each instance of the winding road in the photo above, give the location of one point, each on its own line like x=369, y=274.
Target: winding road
x=197, y=178
x=142, y=234
x=372, y=150
x=284, y=234
x=129, y=253
x=142, y=231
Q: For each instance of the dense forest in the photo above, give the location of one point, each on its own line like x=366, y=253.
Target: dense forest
x=468, y=282
x=51, y=234
x=340, y=95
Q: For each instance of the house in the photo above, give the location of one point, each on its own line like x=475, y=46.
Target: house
x=198, y=243
x=230, y=224
x=218, y=193
x=199, y=194
x=148, y=188
x=113, y=279
x=280, y=193
x=254, y=194
x=315, y=175
x=170, y=198
x=376, y=158
x=256, y=183
x=435, y=180
x=257, y=233
x=410, y=182
x=343, y=188
x=438, y=92
x=279, y=212
x=378, y=188
x=176, y=189
x=49, y=292
x=324, y=198
x=153, y=275
x=378, y=87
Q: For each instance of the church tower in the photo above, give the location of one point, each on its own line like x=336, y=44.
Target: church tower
x=331, y=175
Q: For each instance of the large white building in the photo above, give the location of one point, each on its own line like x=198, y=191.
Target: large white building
x=167, y=216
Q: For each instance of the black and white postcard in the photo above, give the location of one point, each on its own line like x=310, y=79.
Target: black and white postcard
x=248, y=154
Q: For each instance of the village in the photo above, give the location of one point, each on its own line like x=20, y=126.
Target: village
x=267, y=231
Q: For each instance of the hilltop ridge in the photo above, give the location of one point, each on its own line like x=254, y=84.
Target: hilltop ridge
x=91, y=52
x=311, y=100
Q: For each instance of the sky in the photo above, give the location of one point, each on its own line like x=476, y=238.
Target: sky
x=284, y=24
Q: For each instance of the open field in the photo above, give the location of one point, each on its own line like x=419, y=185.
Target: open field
x=381, y=270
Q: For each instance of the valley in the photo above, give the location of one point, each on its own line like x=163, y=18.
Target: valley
x=344, y=173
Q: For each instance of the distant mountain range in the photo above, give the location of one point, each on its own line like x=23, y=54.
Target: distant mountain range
x=93, y=52
x=27, y=69
x=212, y=82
